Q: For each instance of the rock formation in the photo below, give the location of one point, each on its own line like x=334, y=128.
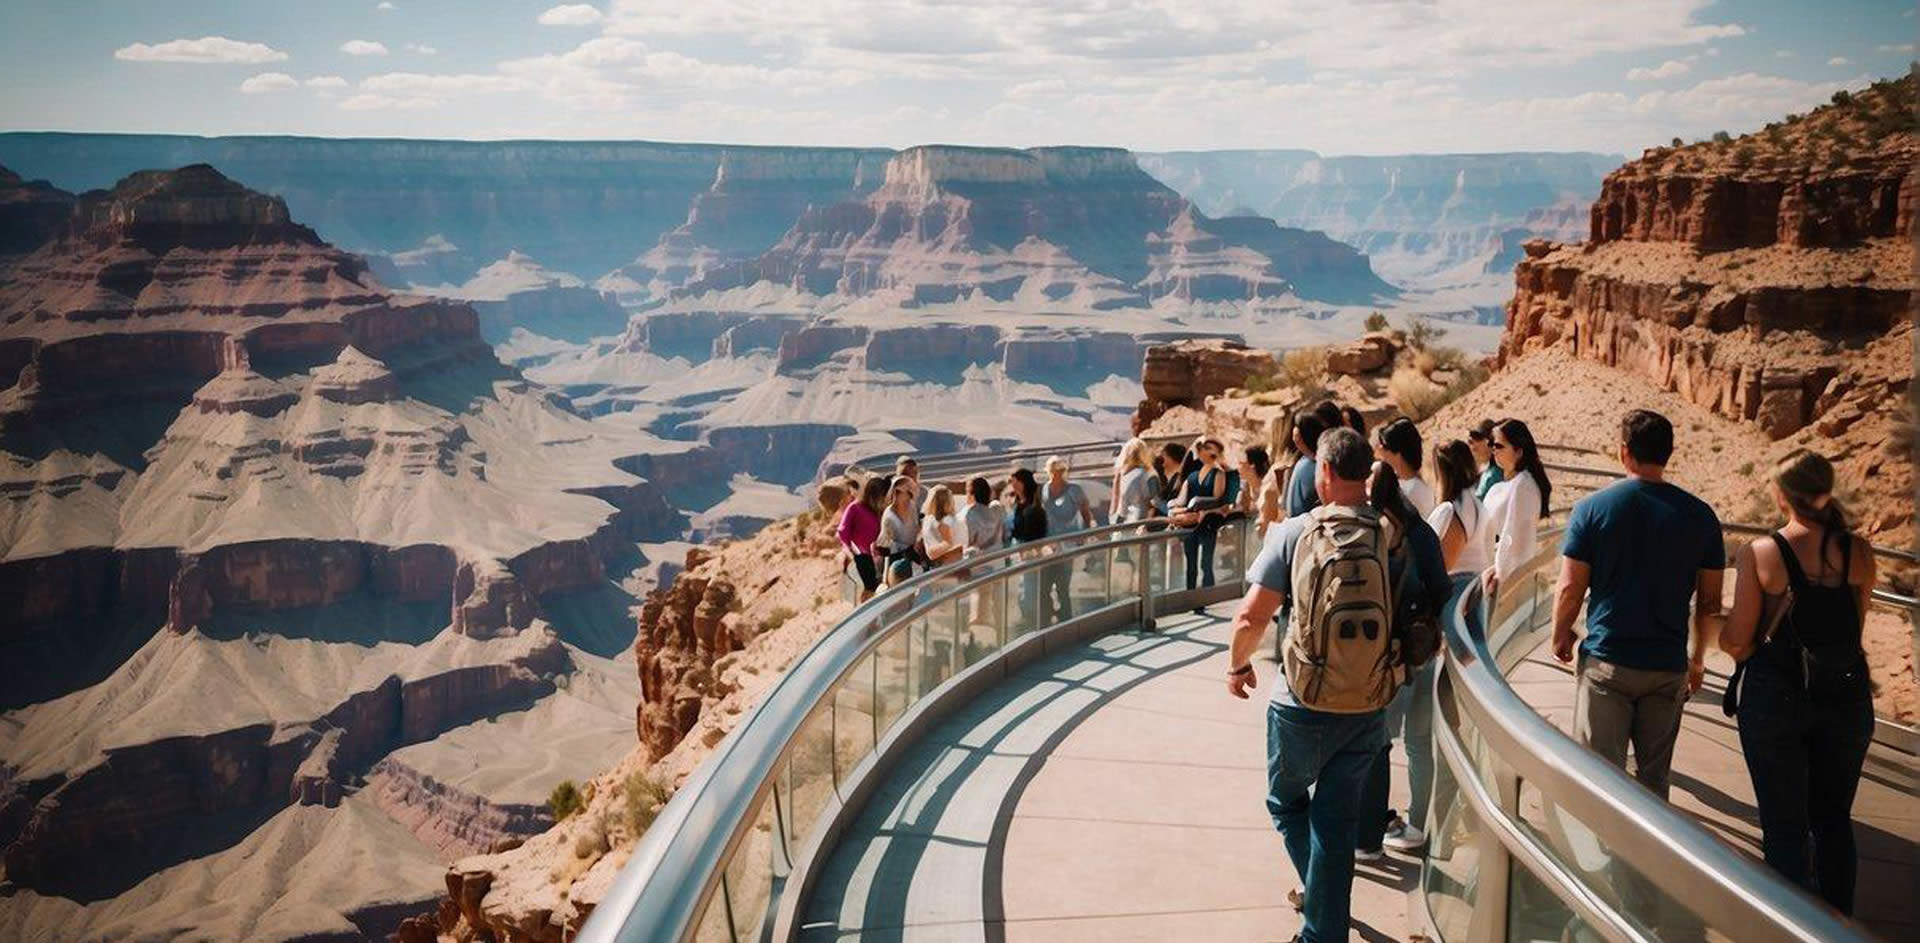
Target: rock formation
x=1421, y=219
x=1185, y=373
x=265, y=523
x=1744, y=275
x=1079, y=226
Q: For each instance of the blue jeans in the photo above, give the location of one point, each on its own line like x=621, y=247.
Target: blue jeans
x=1317, y=764
x=1409, y=719
x=1199, y=544
x=1805, y=760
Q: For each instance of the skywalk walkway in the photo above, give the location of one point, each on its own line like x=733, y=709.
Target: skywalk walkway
x=953, y=763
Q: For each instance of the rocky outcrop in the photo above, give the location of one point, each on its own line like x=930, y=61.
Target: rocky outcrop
x=1742, y=275
x=683, y=630
x=1185, y=373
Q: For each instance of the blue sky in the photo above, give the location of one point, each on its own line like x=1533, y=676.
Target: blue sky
x=1338, y=76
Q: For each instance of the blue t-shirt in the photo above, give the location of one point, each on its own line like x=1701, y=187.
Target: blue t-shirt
x=1301, y=497
x=1646, y=543
x=1273, y=569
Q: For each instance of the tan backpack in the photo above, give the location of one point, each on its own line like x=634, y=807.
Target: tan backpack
x=1339, y=654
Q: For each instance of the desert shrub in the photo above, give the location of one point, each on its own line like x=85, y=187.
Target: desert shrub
x=644, y=799
x=1423, y=333
x=1722, y=137
x=1304, y=368
x=1679, y=143
x=593, y=841
x=1842, y=97
x=1416, y=396
x=565, y=800
x=1376, y=321
x=778, y=617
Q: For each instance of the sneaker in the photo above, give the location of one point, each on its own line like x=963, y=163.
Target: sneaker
x=1364, y=855
x=1403, y=837
x=1297, y=900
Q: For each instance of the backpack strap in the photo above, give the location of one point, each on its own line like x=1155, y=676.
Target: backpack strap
x=1796, y=577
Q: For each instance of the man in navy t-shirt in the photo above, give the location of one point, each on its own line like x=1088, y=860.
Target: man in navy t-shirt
x=1638, y=552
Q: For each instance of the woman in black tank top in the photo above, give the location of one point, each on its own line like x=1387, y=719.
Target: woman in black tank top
x=1804, y=702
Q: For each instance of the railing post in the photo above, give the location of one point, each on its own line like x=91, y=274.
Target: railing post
x=1143, y=581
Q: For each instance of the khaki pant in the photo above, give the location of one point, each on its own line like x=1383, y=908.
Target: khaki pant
x=1614, y=705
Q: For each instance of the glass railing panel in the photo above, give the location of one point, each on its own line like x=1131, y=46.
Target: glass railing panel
x=1023, y=602
x=750, y=877
x=890, y=681
x=1452, y=873
x=931, y=655
x=1090, y=581
x=1626, y=890
x=983, y=622
x=1123, y=570
x=1536, y=915
x=810, y=775
x=1173, y=571
x=853, y=718
x=1228, y=552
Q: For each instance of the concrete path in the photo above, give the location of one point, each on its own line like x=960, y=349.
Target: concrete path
x=1113, y=793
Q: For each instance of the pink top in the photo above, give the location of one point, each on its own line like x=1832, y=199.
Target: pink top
x=859, y=526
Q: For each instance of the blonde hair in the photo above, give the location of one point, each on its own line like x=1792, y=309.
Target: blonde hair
x=1133, y=454
x=939, y=503
x=1056, y=461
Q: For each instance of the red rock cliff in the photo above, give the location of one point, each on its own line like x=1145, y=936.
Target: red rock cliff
x=1745, y=275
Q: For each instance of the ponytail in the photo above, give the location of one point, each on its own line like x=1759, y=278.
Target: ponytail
x=1805, y=480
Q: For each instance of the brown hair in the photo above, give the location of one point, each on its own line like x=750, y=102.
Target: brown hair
x=874, y=494
x=1453, y=469
x=1805, y=479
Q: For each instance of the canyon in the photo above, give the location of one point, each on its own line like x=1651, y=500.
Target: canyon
x=277, y=540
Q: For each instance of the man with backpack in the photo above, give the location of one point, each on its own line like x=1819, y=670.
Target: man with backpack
x=1343, y=662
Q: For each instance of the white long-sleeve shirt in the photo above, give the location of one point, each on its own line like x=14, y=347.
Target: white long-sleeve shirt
x=1514, y=507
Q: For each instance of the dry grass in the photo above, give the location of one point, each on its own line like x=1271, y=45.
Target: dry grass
x=1304, y=368
x=565, y=800
x=645, y=798
x=1418, y=396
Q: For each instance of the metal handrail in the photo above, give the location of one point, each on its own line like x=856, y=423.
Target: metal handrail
x=669, y=881
x=1718, y=884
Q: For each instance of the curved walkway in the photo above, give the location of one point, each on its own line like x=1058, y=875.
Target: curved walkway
x=1115, y=792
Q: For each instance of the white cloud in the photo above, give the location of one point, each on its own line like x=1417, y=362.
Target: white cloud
x=367, y=101
x=1895, y=47
x=363, y=47
x=385, y=6
x=326, y=81
x=207, y=49
x=401, y=90
x=422, y=49
x=1713, y=50
x=1839, y=60
x=614, y=71
x=1783, y=53
x=269, y=82
x=1664, y=70
x=572, y=14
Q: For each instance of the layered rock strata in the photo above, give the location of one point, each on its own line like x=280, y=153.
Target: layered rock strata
x=1744, y=275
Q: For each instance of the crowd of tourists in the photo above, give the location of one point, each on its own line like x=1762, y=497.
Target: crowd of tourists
x=1363, y=537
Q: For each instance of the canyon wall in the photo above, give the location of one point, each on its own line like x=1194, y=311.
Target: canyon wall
x=1420, y=219
x=1748, y=275
x=266, y=523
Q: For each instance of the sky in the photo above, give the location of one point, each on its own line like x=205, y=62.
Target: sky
x=1336, y=76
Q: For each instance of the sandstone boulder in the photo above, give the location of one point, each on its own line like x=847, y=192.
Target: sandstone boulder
x=1186, y=372
x=1371, y=353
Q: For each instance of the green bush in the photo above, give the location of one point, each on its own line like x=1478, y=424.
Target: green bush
x=1376, y=321
x=1722, y=137
x=565, y=800
x=1422, y=333
x=777, y=618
